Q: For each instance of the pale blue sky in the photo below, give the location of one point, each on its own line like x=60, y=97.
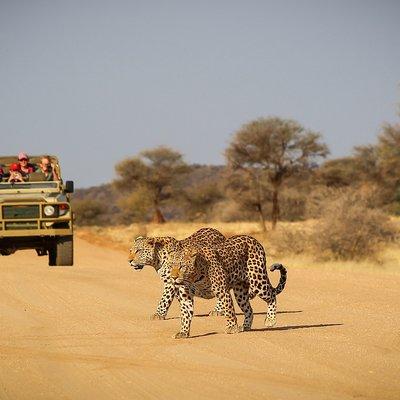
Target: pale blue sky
x=97, y=81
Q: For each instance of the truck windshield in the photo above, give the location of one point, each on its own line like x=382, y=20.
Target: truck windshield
x=28, y=185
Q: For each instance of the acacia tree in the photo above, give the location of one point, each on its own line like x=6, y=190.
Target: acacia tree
x=151, y=176
x=275, y=148
x=379, y=164
x=250, y=189
x=388, y=152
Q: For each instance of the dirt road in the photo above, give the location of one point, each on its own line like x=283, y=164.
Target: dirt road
x=84, y=333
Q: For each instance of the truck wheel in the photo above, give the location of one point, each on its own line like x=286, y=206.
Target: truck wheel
x=62, y=253
x=52, y=255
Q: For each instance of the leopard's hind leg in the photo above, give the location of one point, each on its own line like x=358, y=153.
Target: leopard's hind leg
x=241, y=291
x=261, y=286
x=268, y=295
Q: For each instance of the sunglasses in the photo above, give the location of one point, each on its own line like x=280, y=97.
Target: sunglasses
x=23, y=159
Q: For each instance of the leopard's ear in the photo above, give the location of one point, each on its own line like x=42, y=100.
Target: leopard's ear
x=169, y=243
x=151, y=241
x=193, y=254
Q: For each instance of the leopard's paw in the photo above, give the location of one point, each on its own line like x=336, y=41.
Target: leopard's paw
x=215, y=313
x=232, y=329
x=270, y=322
x=155, y=317
x=243, y=328
x=181, y=335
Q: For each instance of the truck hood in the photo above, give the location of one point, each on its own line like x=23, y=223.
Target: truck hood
x=48, y=197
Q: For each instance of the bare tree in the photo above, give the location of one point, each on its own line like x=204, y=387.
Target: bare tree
x=152, y=173
x=276, y=147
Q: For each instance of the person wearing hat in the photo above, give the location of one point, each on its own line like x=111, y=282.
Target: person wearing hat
x=26, y=167
x=15, y=173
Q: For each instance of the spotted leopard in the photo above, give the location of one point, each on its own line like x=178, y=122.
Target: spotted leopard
x=156, y=252
x=238, y=263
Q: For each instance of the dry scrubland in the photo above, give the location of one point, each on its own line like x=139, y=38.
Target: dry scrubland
x=293, y=243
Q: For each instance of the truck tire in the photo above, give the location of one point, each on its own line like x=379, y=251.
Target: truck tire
x=62, y=252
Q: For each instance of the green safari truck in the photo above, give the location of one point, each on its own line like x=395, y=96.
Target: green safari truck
x=36, y=213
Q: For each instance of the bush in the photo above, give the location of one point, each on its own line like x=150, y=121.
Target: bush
x=89, y=212
x=136, y=207
x=347, y=229
x=289, y=240
x=350, y=230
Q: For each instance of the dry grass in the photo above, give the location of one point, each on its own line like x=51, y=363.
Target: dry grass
x=284, y=245
x=122, y=236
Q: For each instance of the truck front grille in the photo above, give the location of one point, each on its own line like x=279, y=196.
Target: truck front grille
x=21, y=212
x=21, y=225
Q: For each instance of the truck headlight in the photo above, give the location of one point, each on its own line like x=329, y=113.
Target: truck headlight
x=49, y=211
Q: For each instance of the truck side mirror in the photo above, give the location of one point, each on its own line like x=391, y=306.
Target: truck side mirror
x=69, y=187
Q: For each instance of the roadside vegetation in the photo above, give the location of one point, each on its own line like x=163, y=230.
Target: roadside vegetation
x=276, y=184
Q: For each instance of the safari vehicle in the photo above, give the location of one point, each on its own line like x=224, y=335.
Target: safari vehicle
x=36, y=214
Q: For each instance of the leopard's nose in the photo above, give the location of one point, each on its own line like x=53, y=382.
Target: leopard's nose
x=136, y=265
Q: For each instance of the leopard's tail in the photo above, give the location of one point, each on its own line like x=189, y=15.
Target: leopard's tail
x=282, y=280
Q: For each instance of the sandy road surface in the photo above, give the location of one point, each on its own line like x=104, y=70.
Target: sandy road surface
x=84, y=333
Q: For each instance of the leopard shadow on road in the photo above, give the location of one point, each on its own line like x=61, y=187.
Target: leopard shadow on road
x=256, y=313
x=278, y=328
x=292, y=327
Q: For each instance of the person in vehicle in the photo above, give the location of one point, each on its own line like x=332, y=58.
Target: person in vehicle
x=26, y=167
x=48, y=169
x=3, y=174
x=15, y=173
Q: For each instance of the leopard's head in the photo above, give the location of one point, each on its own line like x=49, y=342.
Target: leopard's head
x=186, y=267
x=145, y=251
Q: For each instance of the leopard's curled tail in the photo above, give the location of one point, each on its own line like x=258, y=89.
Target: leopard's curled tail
x=282, y=280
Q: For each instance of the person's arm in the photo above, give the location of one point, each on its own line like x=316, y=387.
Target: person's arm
x=55, y=175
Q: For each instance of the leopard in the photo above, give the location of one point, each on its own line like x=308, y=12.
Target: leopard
x=238, y=264
x=155, y=252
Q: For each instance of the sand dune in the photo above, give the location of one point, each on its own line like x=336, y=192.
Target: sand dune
x=84, y=333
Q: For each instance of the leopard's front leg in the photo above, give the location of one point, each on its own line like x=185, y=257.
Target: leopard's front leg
x=224, y=296
x=186, y=302
x=218, y=309
x=165, y=301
